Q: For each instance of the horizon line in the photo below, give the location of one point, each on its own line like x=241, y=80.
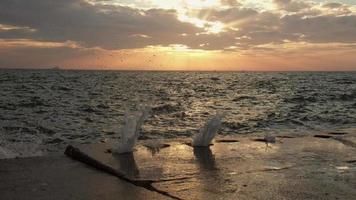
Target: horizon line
x=163, y=70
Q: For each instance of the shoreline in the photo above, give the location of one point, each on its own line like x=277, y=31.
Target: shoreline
x=7, y=153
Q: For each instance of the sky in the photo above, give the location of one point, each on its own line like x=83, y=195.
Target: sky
x=249, y=35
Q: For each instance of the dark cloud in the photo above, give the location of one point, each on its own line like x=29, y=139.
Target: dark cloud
x=229, y=15
x=110, y=27
x=230, y=2
x=291, y=5
x=310, y=25
x=322, y=29
x=338, y=8
x=332, y=5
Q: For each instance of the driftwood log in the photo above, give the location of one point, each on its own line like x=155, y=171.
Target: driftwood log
x=78, y=155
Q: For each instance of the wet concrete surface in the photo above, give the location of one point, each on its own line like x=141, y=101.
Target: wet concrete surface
x=241, y=167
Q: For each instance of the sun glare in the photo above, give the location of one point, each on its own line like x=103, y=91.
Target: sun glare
x=209, y=27
x=197, y=22
x=183, y=7
x=202, y=3
x=215, y=27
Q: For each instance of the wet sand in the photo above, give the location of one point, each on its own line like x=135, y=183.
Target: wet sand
x=242, y=167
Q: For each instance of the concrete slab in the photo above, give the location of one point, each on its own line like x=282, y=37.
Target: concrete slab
x=304, y=167
x=62, y=178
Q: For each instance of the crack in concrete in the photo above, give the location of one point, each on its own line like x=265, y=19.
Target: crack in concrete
x=345, y=142
x=76, y=154
x=268, y=169
x=339, y=139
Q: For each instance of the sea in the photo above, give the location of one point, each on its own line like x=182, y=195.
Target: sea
x=42, y=111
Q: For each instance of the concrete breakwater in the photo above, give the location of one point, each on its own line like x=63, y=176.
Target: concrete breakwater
x=243, y=167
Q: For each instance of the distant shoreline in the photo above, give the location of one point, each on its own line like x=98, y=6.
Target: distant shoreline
x=206, y=71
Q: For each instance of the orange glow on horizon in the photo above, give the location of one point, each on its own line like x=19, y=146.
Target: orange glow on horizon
x=300, y=56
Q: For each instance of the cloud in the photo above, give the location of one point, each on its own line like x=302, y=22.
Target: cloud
x=229, y=15
x=310, y=23
x=230, y=2
x=110, y=26
x=337, y=9
x=332, y=5
x=291, y=5
x=323, y=29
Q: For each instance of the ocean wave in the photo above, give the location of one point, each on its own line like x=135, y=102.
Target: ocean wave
x=166, y=108
x=50, y=109
x=242, y=98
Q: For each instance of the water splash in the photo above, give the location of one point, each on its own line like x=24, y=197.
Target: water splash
x=131, y=130
x=208, y=131
x=27, y=146
x=269, y=138
x=5, y=153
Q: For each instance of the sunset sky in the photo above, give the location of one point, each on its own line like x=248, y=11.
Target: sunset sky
x=179, y=34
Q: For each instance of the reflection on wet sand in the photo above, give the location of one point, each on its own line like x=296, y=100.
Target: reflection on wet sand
x=205, y=158
x=208, y=172
x=127, y=164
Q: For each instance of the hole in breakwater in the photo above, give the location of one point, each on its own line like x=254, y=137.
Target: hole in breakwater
x=323, y=136
x=285, y=136
x=351, y=161
x=260, y=140
x=337, y=133
x=226, y=141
